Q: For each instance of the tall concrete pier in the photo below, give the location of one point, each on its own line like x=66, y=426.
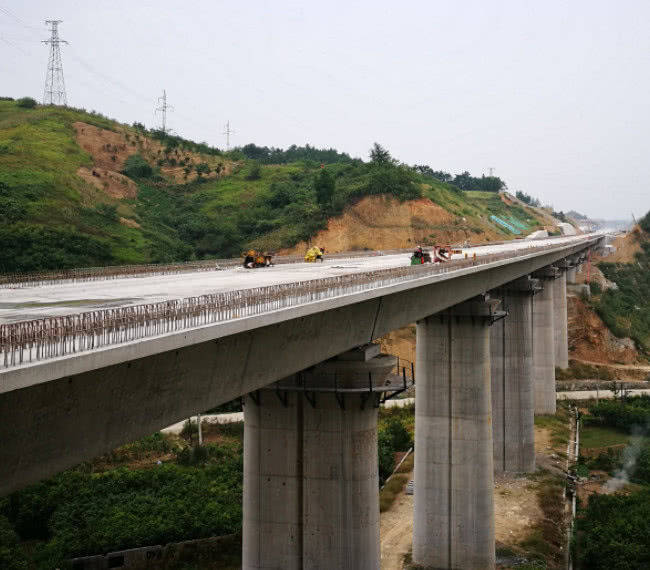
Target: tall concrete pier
x=544, y=342
x=560, y=324
x=511, y=357
x=454, y=504
x=310, y=467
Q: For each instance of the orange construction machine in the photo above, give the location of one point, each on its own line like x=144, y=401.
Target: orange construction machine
x=254, y=258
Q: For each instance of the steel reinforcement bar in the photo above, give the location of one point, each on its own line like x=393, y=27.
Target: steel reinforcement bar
x=52, y=337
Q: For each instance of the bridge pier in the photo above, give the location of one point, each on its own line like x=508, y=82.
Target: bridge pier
x=511, y=358
x=544, y=342
x=454, y=503
x=560, y=319
x=310, y=467
x=571, y=274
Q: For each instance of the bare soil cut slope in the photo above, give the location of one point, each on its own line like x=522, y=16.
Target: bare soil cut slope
x=382, y=222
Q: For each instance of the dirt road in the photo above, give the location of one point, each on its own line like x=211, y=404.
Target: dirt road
x=396, y=530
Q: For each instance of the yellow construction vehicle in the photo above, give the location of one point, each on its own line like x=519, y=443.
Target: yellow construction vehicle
x=315, y=253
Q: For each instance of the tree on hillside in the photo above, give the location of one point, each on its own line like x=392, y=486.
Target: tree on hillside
x=26, y=103
x=435, y=174
x=137, y=167
x=324, y=186
x=380, y=156
x=491, y=184
x=465, y=181
x=527, y=198
x=201, y=169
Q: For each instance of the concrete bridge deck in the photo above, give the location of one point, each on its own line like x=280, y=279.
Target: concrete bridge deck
x=36, y=302
x=59, y=411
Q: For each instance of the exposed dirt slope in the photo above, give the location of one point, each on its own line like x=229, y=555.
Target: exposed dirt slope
x=400, y=343
x=381, y=222
x=110, y=149
x=626, y=247
x=591, y=340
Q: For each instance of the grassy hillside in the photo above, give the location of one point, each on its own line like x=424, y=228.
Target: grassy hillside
x=626, y=310
x=77, y=189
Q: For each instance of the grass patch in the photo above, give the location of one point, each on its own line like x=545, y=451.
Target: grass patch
x=394, y=486
x=558, y=424
x=599, y=437
x=545, y=544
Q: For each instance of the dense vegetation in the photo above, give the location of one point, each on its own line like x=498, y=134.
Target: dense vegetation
x=613, y=531
x=250, y=196
x=463, y=181
x=626, y=310
x=395, y=433
x=124, y=499
x=84, y=512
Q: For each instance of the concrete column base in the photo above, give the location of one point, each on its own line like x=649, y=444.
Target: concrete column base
x=454, y=503
x=511, y=356
x=310, y=471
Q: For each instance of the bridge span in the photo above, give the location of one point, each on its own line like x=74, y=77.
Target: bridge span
x=86, y=366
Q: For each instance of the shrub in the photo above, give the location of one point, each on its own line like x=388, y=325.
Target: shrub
x=26, y=103
x=614, y=532
x=202, y=168
x=137, y=167
x=254, y=172
x=82, y=514
x=11, y=556
x=109, y=211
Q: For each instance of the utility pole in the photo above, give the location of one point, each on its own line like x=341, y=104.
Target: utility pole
x=228, y=132
x=54, y=92
x=164, y=107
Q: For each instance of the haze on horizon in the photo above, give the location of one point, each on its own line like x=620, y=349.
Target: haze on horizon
x=553, y=96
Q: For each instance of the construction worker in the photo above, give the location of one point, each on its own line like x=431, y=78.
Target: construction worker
x=314, y=253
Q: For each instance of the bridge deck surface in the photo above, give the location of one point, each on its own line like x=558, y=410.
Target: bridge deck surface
x=34, y=302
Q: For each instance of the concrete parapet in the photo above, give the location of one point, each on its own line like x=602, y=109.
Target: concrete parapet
x=310, y=469
x=511, y=358
x=454, y=506
x=544, y=343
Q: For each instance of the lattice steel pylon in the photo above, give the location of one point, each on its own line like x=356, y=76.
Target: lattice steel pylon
x=54, y=92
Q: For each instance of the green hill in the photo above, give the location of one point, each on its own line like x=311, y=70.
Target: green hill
x=78, y=189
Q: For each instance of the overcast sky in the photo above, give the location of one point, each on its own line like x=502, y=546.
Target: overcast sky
x=553, y=95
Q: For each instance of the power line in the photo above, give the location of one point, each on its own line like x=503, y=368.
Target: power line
x=54, y=92
x=9, y=13
x=228, y=132
x=13, y=45
x=164, y=107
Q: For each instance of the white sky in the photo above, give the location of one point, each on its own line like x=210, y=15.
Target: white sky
x=554, y=95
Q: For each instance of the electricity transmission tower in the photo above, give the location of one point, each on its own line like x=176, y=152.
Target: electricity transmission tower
x=164, y=107
x=491, y=169
x=54, y=92
x=228, y=132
